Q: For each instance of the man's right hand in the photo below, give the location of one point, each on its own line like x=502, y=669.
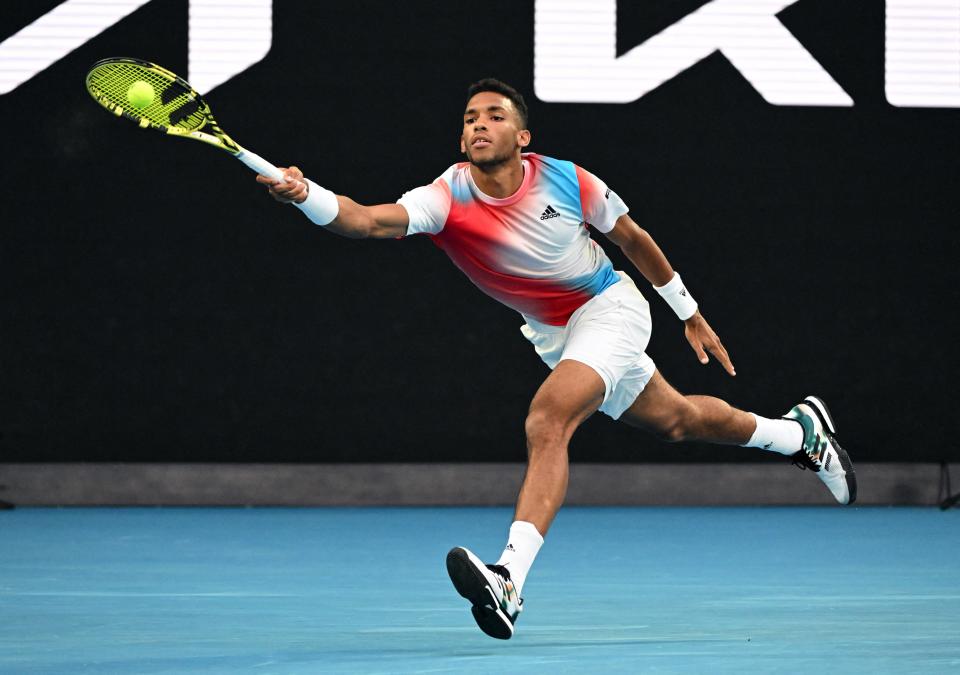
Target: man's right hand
x=349, y=218
x=294, y=190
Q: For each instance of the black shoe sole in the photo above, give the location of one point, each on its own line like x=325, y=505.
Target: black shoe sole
x=821, y=410
x=849, y=474
x=472, y=584
x=826, y=419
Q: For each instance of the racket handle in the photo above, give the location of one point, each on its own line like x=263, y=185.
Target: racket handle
x=260, y=165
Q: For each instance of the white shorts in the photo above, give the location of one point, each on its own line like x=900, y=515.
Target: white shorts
x=609, y=333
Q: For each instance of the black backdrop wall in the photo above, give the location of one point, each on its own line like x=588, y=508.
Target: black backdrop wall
x=158, y=306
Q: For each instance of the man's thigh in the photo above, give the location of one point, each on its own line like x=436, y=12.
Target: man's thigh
x=571, y=393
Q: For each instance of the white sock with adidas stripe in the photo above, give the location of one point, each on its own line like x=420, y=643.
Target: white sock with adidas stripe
x=783, y=436
x=523, y=544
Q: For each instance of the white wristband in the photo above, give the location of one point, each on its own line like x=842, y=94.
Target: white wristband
x=321, y=205
x=678, y=298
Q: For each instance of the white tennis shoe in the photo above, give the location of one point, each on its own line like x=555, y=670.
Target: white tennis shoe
x=496, y=604
x=821, y=453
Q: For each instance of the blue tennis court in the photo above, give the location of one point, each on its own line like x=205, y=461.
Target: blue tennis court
x=622, y=590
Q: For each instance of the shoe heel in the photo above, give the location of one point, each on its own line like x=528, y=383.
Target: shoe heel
x=820, y=408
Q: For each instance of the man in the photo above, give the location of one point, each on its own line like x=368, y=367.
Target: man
x=516, y=224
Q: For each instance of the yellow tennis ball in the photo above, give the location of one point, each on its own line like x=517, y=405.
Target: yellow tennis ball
x=140, y=94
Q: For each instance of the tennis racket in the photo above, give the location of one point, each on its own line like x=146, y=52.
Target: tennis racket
x=155, y=98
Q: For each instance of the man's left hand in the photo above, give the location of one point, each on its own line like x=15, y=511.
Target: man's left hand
x=702, y=338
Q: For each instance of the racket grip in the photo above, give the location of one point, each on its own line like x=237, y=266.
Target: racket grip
x=260, y=165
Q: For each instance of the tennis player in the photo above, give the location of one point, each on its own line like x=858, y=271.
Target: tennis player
x=516, y=224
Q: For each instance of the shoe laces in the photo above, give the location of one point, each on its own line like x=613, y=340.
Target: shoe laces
x=803, y=460
x=507, y=588
x=501, y=570
x=800, y=460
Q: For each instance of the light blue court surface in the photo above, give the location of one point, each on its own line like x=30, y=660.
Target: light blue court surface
x=626, y=590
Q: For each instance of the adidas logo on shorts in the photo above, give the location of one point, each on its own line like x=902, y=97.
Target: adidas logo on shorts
x=549, y=212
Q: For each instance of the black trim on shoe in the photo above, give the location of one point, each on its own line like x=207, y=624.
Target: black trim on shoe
x=822, y=412
x=849, y=474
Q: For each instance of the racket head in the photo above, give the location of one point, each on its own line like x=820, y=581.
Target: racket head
x=176, y=108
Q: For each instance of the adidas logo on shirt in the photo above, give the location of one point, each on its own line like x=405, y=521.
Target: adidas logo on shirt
x=549, y=212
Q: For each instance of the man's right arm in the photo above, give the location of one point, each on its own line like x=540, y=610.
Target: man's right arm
x=383, y=221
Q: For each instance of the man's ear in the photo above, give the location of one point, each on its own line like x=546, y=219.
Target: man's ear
x=463, y=147
x=523, y=138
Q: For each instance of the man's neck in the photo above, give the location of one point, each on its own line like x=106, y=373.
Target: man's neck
x=499, y=181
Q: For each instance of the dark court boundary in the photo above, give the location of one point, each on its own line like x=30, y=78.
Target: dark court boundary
x=453, y=484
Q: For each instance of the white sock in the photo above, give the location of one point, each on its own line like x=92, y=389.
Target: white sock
x=783, y=436
x=523, y=544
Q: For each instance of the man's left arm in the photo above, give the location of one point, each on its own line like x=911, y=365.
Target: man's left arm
x=643, y=252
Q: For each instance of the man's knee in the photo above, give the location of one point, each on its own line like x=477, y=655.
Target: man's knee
x=543, y=429
x=677, y=425
x=673, y=431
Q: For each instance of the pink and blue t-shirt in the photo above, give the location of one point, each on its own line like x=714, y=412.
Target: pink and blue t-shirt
x=532, y=250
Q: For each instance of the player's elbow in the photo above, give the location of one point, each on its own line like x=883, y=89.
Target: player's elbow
x=355, y=222
x=365, y=224
x=349, y=229
x=360, y=231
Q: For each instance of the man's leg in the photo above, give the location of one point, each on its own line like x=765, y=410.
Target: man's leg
x=571, y=393
x=805, y=433
x=670, y=415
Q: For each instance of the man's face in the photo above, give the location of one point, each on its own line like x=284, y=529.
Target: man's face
x=492, y=131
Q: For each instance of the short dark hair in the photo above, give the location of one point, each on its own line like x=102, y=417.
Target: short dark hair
x=504, y=89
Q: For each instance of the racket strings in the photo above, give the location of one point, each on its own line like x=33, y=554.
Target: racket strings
x=173, y=104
